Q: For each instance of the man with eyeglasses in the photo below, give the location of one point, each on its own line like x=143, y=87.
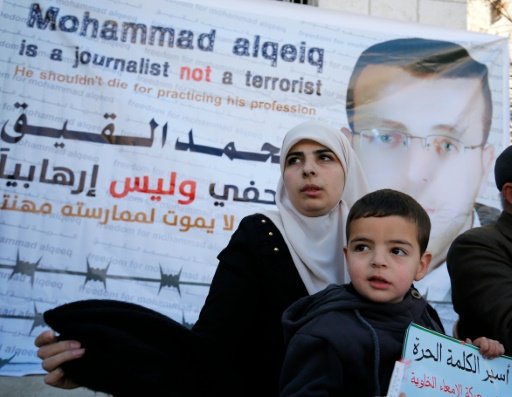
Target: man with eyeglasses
x=419, y=113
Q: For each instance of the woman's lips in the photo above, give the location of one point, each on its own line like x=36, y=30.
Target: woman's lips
x=311, y=190
x=310, y=187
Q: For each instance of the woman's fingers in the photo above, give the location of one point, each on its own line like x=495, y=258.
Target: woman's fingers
x=54, y=353
x=57, y=378
x=45, y=338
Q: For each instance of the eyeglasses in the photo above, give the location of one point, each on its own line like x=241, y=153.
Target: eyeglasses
x=395, y=140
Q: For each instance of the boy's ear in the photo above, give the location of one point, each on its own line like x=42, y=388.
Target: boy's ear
x=345, y=253
x=425, y=260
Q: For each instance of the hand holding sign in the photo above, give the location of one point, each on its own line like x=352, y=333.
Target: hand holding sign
x=435, y=365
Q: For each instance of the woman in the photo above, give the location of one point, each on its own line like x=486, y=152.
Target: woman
x=236, y=346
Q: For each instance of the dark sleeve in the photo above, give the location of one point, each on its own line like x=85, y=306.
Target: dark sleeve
x=131, y=350
x=480, y=269
x=311, y=368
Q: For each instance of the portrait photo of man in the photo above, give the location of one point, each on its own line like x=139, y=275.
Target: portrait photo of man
x=419, y=114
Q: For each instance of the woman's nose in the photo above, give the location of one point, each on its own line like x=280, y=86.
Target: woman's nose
x=309, y=168
x=308, y=171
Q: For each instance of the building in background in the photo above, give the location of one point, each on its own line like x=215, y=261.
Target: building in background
x=485, y=16
x=494, y=17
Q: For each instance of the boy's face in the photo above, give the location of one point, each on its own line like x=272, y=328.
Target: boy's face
x=436, y=167
x=383, y=257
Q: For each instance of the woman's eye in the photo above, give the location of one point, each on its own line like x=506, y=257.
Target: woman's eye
x=292, y=160
x=326, y=157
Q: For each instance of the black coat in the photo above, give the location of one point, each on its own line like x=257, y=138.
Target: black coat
x=480, y=266
x=341, y=344
x=234, y=349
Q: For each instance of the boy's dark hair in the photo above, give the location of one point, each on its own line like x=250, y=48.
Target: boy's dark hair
x=423, y=57
x=389, y=202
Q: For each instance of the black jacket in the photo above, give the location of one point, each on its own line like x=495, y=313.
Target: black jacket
x=480, y=266
x=341, y=344
x=234, y=349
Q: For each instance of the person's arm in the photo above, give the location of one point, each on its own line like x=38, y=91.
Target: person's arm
x=310, y=368
x=480, y=269
x=222, y=317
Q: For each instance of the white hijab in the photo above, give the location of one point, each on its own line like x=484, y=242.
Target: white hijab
x=316, y=243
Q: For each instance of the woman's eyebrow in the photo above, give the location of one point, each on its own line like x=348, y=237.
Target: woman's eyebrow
x=295, y=154
x=316, y=152
x=321, y=151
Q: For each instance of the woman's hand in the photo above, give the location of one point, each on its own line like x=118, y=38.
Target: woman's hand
x=54, y=353
x=489, y=348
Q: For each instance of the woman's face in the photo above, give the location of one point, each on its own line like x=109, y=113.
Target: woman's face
x=313, y=177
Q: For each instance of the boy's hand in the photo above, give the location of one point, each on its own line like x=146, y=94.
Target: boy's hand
x=489, y=348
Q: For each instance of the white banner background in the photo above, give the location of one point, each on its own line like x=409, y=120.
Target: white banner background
x=125, y=184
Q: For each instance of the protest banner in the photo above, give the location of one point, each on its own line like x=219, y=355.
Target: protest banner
x=437, y=365
x=136, y=135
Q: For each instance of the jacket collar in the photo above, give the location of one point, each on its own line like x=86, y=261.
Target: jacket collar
x=504, y=224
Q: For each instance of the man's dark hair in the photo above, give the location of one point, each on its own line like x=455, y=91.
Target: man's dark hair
x=423, y=57
x=503, y=168
x=389, y=202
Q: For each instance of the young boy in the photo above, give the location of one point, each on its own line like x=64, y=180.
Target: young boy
x=344, y=340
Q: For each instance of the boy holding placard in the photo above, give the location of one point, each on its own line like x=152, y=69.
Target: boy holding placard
x=345, y=339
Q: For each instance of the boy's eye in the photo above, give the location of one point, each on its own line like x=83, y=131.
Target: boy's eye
x=398, y=251
x=361, y=248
